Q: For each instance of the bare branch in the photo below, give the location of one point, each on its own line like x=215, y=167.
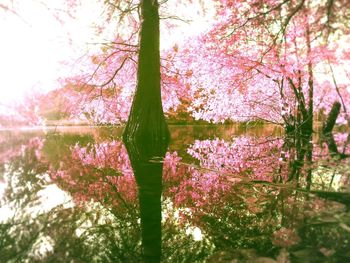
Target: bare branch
x=115, y=73
x=336, y=86
x=249, y=19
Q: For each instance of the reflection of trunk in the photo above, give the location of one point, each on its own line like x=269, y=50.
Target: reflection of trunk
x=302, y=149
x=295, y=162
x=146, y=119
x=331, y=119
x=327, y=128
x=150, y=190
x=309, y=165
x=148, y=176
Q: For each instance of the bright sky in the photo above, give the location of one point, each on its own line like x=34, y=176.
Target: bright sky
x=33, y=45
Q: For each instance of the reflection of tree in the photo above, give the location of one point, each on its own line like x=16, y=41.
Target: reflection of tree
x=254, y=157
x=103, y=173
x=230, y=215
x=100, y=172
x=205, y=211
x=11, y=143
x=301, y=153
x=251, y=213
x=269, y=159
x=250, y=217
x=31, y=173
x=227, y=214
x=24, y=224
x=148, y=176
x=35, y=226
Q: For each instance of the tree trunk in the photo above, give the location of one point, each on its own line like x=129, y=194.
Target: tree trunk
x=146, y=119
x=331, y=119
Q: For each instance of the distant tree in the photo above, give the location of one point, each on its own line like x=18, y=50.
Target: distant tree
x=259, y=62
x=283, y=42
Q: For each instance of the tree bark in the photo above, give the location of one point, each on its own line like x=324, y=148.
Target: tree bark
x=331, y=119
x=146, y=119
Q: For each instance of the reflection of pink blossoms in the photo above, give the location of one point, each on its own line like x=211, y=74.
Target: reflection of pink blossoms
x=200, y=189
x=37, y=144
x=105, y=155
x=188, y=186
x=99, y=172
x=259, y=158
x=11, y=148
x=173, y=171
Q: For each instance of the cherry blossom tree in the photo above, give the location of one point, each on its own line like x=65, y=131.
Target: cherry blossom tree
x=259, y=62
x=277, y=61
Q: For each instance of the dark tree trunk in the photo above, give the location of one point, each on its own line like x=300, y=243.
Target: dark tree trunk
x=332, y=146
x=146, y=133
x=331, y=119
x=148, y=174
x=146, y=119
x=327, y=132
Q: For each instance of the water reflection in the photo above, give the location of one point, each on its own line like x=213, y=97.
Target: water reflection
x=27, y=211
x=82, y=198
x=148, y=174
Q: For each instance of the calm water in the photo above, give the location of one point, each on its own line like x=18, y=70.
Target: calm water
x=214, y=194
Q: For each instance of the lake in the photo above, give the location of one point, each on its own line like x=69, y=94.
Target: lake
x=224, y=193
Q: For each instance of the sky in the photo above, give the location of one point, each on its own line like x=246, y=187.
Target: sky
x=36, y=42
